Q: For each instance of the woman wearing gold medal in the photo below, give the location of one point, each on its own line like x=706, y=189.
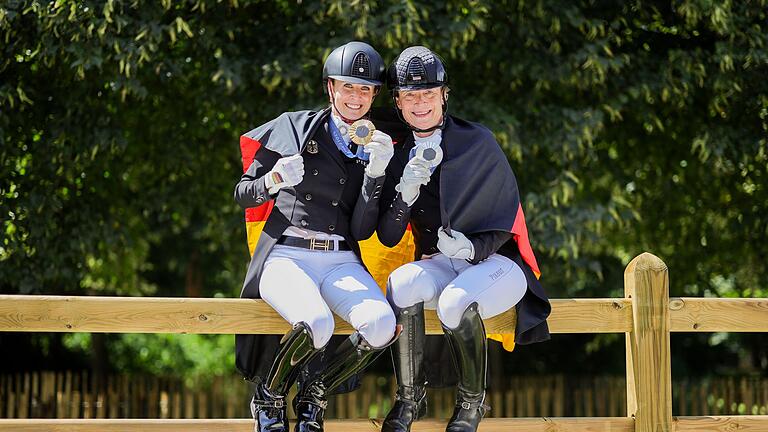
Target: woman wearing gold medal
x=307, y=263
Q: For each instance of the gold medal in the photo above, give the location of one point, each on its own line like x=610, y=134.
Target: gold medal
x=361, y=132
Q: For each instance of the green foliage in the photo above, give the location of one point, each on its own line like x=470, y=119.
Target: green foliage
x=631, y=126
x=198, y=358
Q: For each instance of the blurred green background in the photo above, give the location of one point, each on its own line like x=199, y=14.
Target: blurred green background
x=632, y=126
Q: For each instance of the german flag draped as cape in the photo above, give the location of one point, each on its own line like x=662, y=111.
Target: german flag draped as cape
x=379, y=259
x=479, y=193
x=475, y=195
x=287, y=135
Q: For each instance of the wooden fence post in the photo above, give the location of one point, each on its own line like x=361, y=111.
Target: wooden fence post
x=649, y=371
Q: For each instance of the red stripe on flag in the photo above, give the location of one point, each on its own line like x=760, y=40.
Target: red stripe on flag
x=520, y=234
x=260, y=213
x=248, y=148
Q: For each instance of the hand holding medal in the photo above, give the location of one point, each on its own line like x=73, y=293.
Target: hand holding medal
x=377, y=145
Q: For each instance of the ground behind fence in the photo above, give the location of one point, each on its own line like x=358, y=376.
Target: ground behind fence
x=80, y=395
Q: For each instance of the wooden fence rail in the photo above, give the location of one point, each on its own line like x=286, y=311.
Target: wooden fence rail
x=69, y=394
x=647, y=315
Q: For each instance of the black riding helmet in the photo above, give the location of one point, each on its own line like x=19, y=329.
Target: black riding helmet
x=417, y=68
x=356, y=63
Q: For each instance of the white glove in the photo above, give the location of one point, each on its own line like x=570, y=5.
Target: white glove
x=415, y=174
x=458, y=246
x=380, y=151
x=287, y=172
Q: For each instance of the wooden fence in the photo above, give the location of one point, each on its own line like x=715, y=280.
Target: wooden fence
x=79, y=395
x=646, y=315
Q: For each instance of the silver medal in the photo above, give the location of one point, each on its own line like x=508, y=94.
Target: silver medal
x=431, y=152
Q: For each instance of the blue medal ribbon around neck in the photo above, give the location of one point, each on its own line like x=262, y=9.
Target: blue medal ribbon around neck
x=342, y=145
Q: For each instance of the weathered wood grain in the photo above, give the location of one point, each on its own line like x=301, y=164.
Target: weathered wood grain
x=543, y=424
x=649, y=366
x=21, y=313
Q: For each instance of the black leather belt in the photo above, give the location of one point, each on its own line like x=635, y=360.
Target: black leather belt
x=314, y=244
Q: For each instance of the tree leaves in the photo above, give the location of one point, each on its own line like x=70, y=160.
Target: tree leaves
x=631, y=126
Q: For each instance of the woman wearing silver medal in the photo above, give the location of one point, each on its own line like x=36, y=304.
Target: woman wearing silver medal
x=451, y=181
x=307, y=263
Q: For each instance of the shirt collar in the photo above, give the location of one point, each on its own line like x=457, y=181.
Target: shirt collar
x=342, y=127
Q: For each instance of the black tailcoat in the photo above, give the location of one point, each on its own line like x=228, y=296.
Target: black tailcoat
x=473, y=191
x=334, y=197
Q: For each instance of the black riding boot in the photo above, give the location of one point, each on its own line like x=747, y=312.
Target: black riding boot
x=309, y=406
x=268, y=404
x=351, y=357
x=408, y=357
x=470, y=354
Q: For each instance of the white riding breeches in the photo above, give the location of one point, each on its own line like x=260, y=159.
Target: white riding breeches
x=306, y=285
x=451, y=285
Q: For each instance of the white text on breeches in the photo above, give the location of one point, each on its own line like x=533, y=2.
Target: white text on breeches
x=451, y=285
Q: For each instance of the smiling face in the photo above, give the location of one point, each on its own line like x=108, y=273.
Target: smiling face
x=352, y=101
x=422, y=109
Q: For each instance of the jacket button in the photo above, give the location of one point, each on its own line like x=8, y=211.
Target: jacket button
x=315, y=172
x=304, y=223
x=334, y=203
x=331, y=227
x=308, y=197
x=428, y=230
x=421, y=211
x=342, y=180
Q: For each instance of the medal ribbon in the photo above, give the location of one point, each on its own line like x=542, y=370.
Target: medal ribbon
x=342, y=145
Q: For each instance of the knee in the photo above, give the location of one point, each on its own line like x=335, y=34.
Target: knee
x=380, y=328
x=406, y=285
x=451, y=307
x=322, y=326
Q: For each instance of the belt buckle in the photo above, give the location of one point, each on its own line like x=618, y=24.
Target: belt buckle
x=324, y=245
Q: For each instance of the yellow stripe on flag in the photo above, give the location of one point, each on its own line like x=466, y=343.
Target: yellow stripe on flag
x=381, y=260
x=253, y=231
x=507, y=339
